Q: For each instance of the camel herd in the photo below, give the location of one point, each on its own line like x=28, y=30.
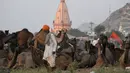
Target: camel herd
x=22, y=49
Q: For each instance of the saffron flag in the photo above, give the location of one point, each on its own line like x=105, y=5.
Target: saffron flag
x=116, y=37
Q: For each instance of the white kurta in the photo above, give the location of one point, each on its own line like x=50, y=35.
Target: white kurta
x=95, y=42
x=50, y=47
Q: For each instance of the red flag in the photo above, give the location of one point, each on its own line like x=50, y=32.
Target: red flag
x=116, y=37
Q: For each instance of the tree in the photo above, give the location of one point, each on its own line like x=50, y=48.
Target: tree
x=76, y=32
x=98, y=29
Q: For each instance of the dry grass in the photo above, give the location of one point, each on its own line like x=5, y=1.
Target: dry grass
x=100, y=70
x=110, y=70
x=71, y=69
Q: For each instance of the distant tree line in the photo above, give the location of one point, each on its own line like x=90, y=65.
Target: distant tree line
x=76, y=32
x=99, y=29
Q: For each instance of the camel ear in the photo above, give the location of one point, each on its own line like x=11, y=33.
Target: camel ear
x=86, y=42
x=89, y=41
x=74, y=39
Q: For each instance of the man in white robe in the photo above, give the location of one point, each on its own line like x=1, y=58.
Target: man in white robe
x=50, y=49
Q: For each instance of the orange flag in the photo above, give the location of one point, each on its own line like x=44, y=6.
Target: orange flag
x=116, y=37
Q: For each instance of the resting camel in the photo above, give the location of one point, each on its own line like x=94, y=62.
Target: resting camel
x=105, y=52
x=22, y=38
x=4, y=53
x=125, y=58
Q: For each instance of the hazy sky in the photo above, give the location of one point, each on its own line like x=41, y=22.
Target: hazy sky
x=32, y=14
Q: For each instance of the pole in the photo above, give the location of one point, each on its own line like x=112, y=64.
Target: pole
x=91, y=27
x=109, y=27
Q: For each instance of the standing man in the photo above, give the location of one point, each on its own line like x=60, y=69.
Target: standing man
x=50, y=47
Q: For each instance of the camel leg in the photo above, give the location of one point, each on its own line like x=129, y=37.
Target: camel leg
x=99, y=62
x=13, y=61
